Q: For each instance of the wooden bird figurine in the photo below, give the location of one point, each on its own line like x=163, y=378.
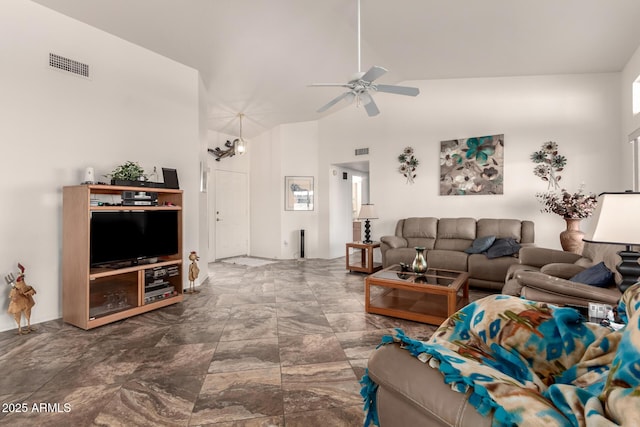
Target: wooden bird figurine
x=194, y=271
x=21, y=299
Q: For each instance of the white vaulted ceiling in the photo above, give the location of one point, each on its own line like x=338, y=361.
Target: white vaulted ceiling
x=258, y=56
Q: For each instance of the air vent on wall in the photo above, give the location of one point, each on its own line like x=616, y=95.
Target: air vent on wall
x=362, y=151
x=69, y=65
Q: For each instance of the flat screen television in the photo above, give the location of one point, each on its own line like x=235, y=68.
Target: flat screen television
x=119, y=236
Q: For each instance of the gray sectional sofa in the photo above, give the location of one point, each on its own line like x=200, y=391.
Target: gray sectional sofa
x=446, y=240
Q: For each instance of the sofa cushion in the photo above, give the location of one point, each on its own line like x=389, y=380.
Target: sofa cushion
x=420, y=232
x=503, y=247
x=420, y=227
x=539, y=257
x=448, y=260
x=396, y=256
x=455, y=234
x=457, y=245
x=598, y=275
x=493, y=270
x=457, y=228
x=480, y=245
x=501, y=228
x=560, y=269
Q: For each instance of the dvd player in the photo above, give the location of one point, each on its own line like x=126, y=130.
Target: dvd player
x=139, y=195
x=139, y=202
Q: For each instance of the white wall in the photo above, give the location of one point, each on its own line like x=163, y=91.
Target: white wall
x=580, y=112
x=299, y=158
x=265, y=188
x=287, y=150
x=630, y=121
x=136, y=106
x=203, y=211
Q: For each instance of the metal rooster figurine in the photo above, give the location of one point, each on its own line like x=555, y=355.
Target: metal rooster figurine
x=21, y=299
x=194, y=271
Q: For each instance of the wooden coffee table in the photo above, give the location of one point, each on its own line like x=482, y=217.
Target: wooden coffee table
x=428, y=298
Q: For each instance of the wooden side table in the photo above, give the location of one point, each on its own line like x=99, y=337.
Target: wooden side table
x=364, y=263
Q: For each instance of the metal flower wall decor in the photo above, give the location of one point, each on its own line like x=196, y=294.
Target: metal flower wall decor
x=549, y=164
x=408, y=164
x=472, y=166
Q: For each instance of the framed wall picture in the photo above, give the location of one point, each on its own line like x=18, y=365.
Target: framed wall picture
x=472, y=166
x=298, y=193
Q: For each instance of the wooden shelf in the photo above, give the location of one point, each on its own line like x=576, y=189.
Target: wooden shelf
x=86, y=290
x=94, y=323
x=135, y=208
x=104, y=272
x=117, y=189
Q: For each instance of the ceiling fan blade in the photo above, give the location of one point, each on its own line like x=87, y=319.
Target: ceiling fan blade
x=372, y=108
x=399, y=90
x=331, y=85
x=369, y=104
x=373, y=73
x=335, y=100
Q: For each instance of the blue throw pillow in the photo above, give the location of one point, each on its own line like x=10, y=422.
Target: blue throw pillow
x=598, y=275
x=503, y=247
x=480, y=245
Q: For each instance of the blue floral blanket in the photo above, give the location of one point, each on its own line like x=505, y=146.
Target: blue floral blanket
x=531, y=364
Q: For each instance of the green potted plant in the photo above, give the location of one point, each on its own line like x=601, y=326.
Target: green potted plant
x=129, y=173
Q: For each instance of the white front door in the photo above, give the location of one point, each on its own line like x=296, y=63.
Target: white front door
x=231, y=215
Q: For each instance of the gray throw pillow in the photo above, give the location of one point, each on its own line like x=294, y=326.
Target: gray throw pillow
x=598, y=275
x=503, y=247
x=480, y=245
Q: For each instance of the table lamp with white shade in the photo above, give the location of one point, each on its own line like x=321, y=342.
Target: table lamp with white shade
x=617, y=223
x=367, y=212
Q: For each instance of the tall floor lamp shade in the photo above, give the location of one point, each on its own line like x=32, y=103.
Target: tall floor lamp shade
x=367, y=212
x=617, y=223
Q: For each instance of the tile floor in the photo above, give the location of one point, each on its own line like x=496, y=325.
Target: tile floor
x=279, y=345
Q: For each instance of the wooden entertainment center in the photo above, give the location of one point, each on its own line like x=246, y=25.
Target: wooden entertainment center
x=93, y=296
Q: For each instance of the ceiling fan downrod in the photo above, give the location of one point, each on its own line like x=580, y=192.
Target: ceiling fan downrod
x=359, y=49
x=361, y=84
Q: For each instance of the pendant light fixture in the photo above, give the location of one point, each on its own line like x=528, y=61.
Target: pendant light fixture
x=238, y=146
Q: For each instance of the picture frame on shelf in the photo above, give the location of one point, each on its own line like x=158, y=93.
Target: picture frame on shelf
x=298, y=193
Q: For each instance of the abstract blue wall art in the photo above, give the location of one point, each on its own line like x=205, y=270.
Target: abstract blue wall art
x=472, y=166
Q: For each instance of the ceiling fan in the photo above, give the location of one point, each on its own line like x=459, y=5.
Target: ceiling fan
x=361, y=86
